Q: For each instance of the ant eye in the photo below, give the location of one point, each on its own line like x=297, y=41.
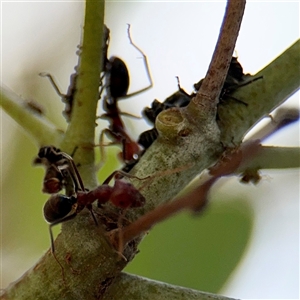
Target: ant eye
x=57, y=207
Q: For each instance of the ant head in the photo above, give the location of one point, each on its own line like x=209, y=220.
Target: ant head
x=48, y=152
x=125, y=195
x=57, y=207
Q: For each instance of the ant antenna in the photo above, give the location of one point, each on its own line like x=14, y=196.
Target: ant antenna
x=178, y=82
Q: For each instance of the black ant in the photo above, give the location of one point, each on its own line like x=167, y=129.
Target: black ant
x=61, y=208
x=235, y=79
x=68, y=98
x=179, y=99
x=117, y=84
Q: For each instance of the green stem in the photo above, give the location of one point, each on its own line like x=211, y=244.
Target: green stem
x=274, y=158
x=280, y=80
x=80, y=133
x=42, y=130
x=127, y=286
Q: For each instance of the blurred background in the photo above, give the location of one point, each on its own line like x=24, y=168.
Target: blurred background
x=246, y=244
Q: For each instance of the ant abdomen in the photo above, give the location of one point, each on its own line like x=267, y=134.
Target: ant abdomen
x=57, y=207
x=118, y=78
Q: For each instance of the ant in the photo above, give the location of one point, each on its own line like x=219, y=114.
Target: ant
x=235, y=79
x=60, y=170
x=117, y=84
x=68, y=98
x=179, y=99
x=61, y=208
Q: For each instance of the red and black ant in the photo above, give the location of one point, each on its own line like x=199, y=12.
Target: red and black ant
x=60, y=170
x=117, y=84
x=61, y=208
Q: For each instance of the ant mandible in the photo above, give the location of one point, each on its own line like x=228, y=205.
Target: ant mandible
x=117, y=84
x=61, y=208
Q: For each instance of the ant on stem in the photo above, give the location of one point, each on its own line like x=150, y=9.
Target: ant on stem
x=61, y=208
x=117, y=84
x=68, y=98
x=61, y=171
x=235, y=79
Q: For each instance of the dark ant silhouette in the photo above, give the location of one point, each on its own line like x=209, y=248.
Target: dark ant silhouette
x=68, y=98
x=61, y=208
x=235, y=79
x=179, y=99
x=146, y=138
x=117, y=84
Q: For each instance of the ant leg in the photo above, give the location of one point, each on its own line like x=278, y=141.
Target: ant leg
x=73, y=171
x=102, y=151
x=146, y=67
x=74, y=151
x=64, y=219
x=234, y=99
x=51, y=239
x=90, y=208
x=120, y=237
x=236, y=86
x=130, y=115
x=102, y=85
x=52, y=81
x=250, y=81
x=124, y=174
x=150, y=178
x=246, y=82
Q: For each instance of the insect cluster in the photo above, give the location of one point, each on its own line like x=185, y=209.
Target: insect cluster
x=61, y=171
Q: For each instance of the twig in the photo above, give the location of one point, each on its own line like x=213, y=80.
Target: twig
x=194, y=200
x=208, y=94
